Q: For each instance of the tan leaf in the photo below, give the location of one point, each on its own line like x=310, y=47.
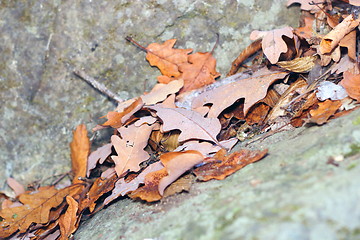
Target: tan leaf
x=332, y=39
x=252, y=89
x=228, y=165
x=349, y=41
x=299, y=65
x=191, y=124
x=80, y=148
x=177, y=163
x=160, y=92
x=68, y=221
x=351, y=83
x=307, y=6
x=17, y=187
x=130, y=147
x=272, y=43
x=182, y=184
x=307, y=30
x=99, y=155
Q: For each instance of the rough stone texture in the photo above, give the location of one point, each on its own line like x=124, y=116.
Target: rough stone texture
x=298, y=196
x=42, y=42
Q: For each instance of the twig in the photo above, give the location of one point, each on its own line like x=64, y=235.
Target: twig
x=99, y=86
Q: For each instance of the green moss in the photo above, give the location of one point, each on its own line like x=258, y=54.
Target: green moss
x=356, y=121
x=351, y=166
x=355, y=149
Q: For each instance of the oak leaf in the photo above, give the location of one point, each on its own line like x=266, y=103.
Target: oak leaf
x=68, y=222
x=324, y=111
x=166, y=58
x=123, y=187
x=199, y=71
x=161, y=91
x=36, y=209
x=272, y=42
x=306, y=4
x=228, y=164
x=176, y=163
x=80, y=148
x=307, y=30
x=99, y=155
x=252, y=89
x=117, y=119
x=130, y=147
x=351, y=83
x=15, y=186
x=349, y=41
x=191, y=124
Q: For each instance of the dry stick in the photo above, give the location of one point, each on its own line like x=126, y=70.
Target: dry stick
x=99, y=86
x=245, y=54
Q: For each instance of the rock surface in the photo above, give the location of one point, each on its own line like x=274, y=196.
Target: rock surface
x=42, y=42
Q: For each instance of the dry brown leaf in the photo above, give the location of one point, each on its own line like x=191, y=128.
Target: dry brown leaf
x=68, y=221
x=166, y=58
x=245, y=54
x=191, y=124
x=351, y=83
x=130, y=147
x=98, y=189
x=344, y=64
x=199, y=71
x=36, y=209
x=258, y=114
x=307, y=30
x=252, y=89
x=17, y=187
x=332, y=39
x=299, y=65
x=228, y=165
x=324, y=111
x=80, y=149
x=272, y=42
x=117, y=119
x=349, y=41
x=177, y=163
x=122, y=187
x=99, y=155
x=149, y=192
x=354, y=2
x=182, y=184
x=160, y=92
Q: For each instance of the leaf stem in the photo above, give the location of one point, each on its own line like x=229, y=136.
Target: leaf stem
x=98, y=86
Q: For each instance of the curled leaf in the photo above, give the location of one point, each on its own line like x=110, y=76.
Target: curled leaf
x=299, y=65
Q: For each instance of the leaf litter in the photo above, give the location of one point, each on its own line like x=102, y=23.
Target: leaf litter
x=185, y=127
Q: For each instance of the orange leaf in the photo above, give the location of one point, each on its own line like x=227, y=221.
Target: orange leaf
x=332, y=39
x=166, y=58
x=307, y=30
x=199, y=72
x=68, y=221
x=349, y=41
x=228, y=165
x=351, y=83
x=80, y=148
x=252, y=89
x=36, y=209
x=324, y=111
x=117, y=119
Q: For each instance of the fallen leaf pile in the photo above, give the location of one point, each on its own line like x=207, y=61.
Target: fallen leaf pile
x=185, y=127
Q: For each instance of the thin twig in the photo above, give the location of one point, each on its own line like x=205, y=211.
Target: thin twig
x=99, y=86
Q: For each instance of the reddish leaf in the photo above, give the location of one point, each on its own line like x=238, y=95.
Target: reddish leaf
x=68, y=221
x=98, y=156
x=15, y=186
x=228, y=165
